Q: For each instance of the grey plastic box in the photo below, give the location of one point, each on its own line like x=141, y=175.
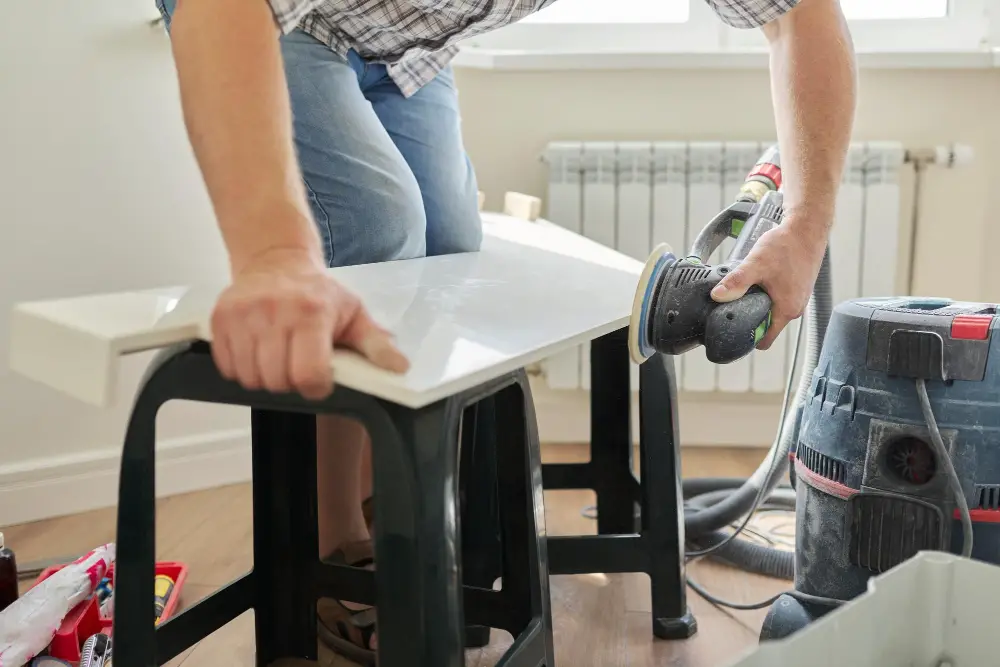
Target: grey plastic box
x=935, y=610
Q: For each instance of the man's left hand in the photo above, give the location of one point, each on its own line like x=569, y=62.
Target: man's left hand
x=785, y=262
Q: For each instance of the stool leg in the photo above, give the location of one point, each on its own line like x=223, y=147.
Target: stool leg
x=134, y=630
x=481, y=565
x=611, y=434
x=662, y=501
x=285, y=538
x=418, y=577
x=522, y=511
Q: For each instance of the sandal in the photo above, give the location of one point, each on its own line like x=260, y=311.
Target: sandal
x=347, y=631
x=368, y=512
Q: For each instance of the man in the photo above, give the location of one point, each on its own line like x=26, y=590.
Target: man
x=328, y=133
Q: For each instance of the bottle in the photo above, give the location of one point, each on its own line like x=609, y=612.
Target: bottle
x=8, y=576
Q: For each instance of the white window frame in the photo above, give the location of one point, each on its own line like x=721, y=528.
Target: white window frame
x=699, y=34
x=965, y=29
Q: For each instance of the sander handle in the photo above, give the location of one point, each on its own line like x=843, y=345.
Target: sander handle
x=733, y=329
x=727, y=325
x=673, y=310
x=764, y=216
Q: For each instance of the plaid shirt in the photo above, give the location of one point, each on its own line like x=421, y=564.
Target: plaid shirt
x=417, y=38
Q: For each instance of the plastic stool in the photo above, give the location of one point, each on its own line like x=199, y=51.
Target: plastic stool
x=423, y=606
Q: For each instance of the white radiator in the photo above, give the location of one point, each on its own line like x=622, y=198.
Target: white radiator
x=634, y=195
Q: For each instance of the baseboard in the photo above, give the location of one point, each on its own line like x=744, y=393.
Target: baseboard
x=705, y=420
x=57, y=486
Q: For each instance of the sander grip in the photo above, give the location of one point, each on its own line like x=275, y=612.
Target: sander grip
x=733, y=329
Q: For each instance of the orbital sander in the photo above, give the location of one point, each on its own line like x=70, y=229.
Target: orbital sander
x=673, y=311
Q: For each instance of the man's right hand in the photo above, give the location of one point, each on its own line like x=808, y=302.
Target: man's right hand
x=274, y=328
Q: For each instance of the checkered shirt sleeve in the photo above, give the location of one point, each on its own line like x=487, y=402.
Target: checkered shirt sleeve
x=750, y=13
x=288, y=13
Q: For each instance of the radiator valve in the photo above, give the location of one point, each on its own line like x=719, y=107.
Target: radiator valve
x=952, y=155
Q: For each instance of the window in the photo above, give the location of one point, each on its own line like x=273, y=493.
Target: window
x=690, y=26
x=621, y=11
x=913, y=26
x=677, y=11
x=616, y=26
x=894, y=9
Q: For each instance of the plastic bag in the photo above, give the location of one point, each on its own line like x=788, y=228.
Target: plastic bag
x=28, y=625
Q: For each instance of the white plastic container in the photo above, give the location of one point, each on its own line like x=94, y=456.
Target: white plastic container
x=935, y=610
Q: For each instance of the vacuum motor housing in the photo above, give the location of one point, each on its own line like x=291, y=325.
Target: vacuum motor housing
x=870, y=493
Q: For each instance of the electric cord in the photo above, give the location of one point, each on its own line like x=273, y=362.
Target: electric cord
x=719, y=602
x=759, y=498
x=761, y=537
x=941, y=452
x=753, y=606
x=690, y=556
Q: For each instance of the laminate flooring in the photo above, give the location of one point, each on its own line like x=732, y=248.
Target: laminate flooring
x=600, y=620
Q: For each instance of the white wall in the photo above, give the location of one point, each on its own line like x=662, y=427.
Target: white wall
x=99, y=192
x=509, y=117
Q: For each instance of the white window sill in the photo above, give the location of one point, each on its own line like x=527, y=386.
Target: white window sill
x=511, y=60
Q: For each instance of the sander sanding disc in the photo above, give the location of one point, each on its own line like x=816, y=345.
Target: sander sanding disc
x=639, y=346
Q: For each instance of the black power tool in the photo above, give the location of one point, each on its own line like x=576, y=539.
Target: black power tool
x=673, y=310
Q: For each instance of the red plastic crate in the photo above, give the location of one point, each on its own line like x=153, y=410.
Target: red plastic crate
x=85, y=620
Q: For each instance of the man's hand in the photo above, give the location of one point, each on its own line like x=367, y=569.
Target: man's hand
x=813, y=82
x=274, y=328
x=785, y=262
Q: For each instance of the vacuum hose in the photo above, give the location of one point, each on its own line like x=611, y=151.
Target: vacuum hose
x=708, y=512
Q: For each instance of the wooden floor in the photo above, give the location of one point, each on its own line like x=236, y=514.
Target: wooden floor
x=600, y=620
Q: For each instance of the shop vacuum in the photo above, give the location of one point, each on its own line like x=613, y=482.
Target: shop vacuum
x=891, y=433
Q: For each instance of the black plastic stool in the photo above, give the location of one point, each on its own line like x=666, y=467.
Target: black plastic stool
x=654, y=543
x=422, y=603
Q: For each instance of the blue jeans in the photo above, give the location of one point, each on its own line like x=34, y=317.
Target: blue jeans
x=387, y=176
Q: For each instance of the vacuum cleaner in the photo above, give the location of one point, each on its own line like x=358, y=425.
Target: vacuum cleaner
x=875, y=477
x=896, y=449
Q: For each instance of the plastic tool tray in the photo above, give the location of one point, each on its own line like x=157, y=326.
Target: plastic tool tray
x=935, y=610
x=85, y=619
